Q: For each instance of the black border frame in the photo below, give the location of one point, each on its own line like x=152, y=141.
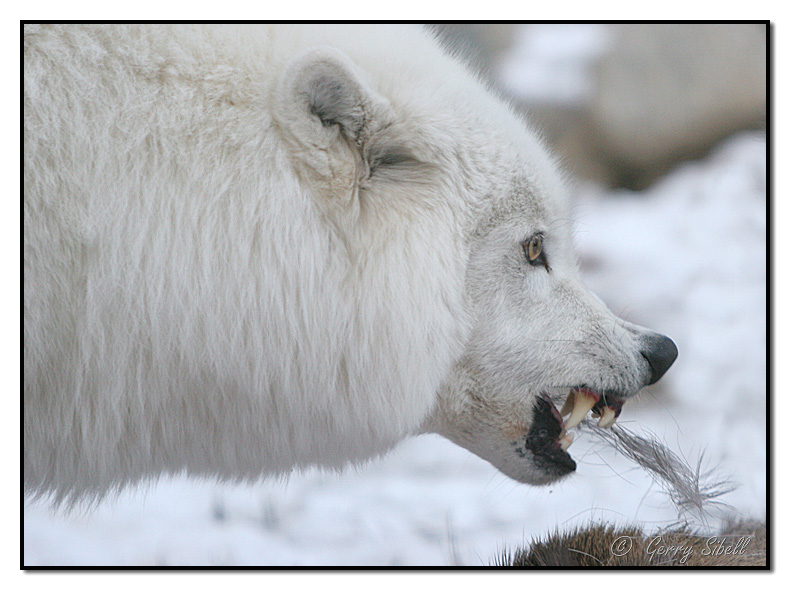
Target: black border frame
x=769, y=312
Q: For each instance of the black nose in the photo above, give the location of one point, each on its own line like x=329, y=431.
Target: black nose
x=660, y=353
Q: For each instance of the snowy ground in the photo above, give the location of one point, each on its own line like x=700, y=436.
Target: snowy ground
x=686, y=257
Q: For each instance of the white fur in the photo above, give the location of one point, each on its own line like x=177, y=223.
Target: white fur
x=219, y=278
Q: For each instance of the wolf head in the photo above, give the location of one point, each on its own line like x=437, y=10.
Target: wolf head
x=532, y=333
x=539, y=336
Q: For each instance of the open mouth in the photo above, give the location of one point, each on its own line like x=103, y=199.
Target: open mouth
x=548, y=437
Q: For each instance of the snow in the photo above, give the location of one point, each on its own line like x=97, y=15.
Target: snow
x=685, y=257
x=702, y=255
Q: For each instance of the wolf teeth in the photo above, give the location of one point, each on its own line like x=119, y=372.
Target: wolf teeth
x=568, y=407
x=607, y=417
x=582, y=403
x=566, y=441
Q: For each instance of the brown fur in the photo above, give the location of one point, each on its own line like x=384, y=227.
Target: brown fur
x=592, y=547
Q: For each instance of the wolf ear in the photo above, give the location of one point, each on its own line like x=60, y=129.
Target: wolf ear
x=327, y=111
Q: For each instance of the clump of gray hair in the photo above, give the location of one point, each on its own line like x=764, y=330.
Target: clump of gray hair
x=689, y=487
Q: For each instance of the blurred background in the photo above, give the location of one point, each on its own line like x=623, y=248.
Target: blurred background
x=662, y=130
x=625, y=104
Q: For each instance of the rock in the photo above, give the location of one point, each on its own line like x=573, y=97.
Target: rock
x=667, y=93
x=623, y=104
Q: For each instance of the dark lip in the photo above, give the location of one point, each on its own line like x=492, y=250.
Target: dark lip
x=543, y=439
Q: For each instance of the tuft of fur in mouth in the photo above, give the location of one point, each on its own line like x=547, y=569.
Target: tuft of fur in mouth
x=689, y=488
x=548, y=438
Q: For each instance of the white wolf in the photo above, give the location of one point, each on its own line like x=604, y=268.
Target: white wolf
x=249, y=249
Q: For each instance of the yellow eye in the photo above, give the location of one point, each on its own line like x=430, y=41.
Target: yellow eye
x=534, y=248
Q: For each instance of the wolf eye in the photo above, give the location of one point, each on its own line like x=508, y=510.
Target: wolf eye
x=533, y=250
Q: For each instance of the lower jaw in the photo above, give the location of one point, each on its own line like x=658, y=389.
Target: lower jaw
x=549, y=439
x=543, y=440
x=555, y=464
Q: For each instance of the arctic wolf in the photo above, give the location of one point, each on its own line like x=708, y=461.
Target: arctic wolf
x=249, y=249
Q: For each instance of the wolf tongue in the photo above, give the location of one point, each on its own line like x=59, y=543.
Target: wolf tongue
x=582, y=403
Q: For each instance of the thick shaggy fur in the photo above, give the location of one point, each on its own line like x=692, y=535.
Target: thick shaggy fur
x=255, y=248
